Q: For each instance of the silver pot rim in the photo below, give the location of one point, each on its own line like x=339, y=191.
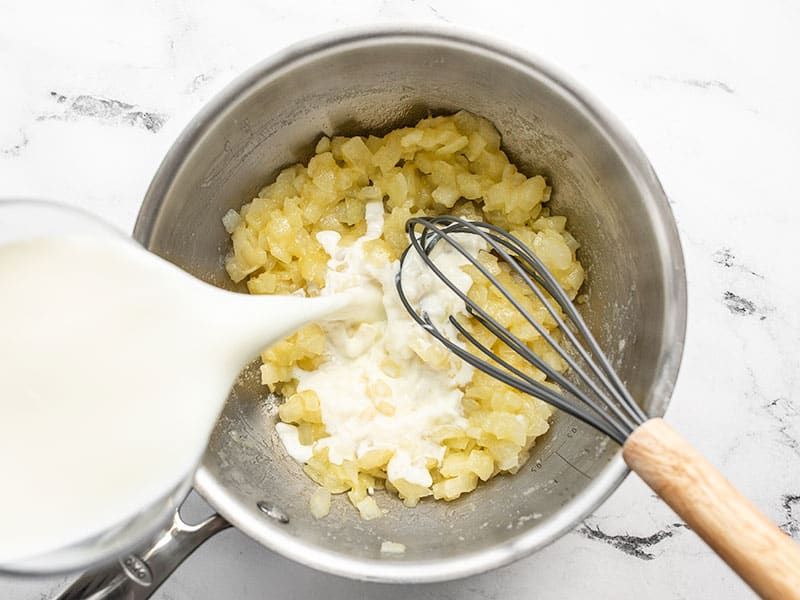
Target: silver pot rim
x=668, y=240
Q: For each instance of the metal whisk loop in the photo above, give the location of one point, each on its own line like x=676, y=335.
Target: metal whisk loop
x=606, y=405
x=542, y=275
x=424, y=245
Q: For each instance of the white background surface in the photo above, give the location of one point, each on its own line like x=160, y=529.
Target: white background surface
x=93, y=93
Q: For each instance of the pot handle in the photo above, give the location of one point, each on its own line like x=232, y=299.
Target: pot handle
x=137, y=576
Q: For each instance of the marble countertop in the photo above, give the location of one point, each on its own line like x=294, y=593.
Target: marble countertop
x=95, y=92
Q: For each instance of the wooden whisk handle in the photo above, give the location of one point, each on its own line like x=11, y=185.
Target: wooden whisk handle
x=752, y=545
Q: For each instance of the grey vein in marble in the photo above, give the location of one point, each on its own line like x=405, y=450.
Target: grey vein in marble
x=107, y=110
x=15, y=149
x=199, y=82
x=708, y=84
x=633, y=545
x=792, y=524
x=788, y=418
x=438, y=15
x=726, y=258
x=741, y=306
x=738, y=305
x=705, y=84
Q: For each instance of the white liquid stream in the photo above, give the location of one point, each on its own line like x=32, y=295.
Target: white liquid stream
x=422, y=398
x=114, y=365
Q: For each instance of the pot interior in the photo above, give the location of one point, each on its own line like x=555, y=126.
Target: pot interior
x=615, y=208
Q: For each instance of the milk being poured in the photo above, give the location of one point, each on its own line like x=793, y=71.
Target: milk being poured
x=114, y=365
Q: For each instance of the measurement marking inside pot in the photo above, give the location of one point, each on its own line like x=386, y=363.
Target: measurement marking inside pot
x=571, y=465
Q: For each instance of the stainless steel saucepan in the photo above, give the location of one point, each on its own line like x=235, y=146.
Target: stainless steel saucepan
x=373, y=81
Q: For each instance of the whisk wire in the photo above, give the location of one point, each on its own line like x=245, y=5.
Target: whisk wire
x=540, y=389
x=613, y=412
x=569, y=308
x=524, y=382
x=522, y=349
x=434, y=234
x=546, y=279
